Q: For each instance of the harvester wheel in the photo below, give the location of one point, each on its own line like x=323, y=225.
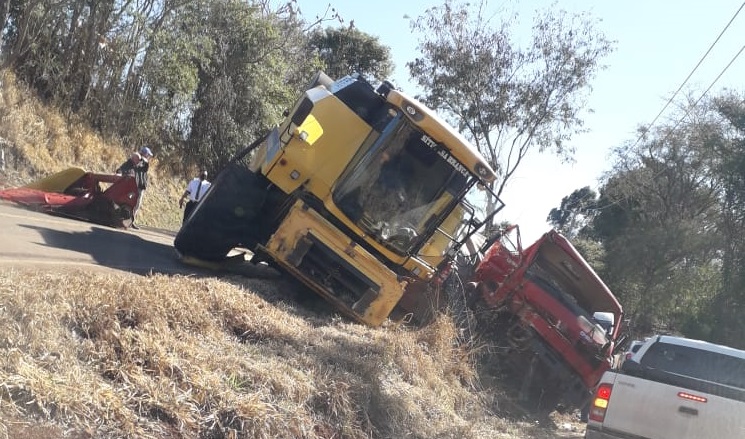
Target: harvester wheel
x=225, y=217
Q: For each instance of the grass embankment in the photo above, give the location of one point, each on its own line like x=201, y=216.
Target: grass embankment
x=38, y=141
x=114, y=355
x=104, y=354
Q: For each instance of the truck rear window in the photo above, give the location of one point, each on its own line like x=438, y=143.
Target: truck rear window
x=711, y=367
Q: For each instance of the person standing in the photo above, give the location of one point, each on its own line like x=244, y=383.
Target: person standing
x=128, y=167
x=195, y=191
x=137, y=166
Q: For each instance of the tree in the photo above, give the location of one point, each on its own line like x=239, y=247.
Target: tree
x=4, y=12
x=724, y=315
x=198, y=78
x=506, y=99
x=577, y=209
x=348, y=50
x=87, y=57
x=244, y=82
x=657, y=219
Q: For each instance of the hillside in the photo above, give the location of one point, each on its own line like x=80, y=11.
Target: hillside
x=37, y=140
x=109, y=354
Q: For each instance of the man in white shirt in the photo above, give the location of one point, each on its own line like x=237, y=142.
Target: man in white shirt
x=195, y=191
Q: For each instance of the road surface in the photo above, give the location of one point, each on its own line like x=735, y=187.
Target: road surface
x=38, y=239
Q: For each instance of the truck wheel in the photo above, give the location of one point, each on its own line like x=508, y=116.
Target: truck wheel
x=225, y=217
x=538, y=392
x=548, y=401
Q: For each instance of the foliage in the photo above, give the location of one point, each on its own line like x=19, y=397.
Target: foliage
x=669, y=219
x=729, y=149
x=347, y=50
x=194, y=78
x=238, y=94
x=576, y=210
x=592, y=251
x=508, y=100
x=658, y=217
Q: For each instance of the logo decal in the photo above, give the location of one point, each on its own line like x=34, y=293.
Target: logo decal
x=452, y=161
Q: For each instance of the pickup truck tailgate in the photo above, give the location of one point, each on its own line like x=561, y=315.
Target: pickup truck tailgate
x=653, y=410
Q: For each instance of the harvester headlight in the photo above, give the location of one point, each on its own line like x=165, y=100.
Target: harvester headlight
x=412, y=111
x=294, y=174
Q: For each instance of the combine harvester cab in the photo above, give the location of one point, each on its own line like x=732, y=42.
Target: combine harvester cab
x=558, y=323
x=100, y=198
x=360, y=193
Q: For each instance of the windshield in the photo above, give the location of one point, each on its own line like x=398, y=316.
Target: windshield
x=398, y=191
x=696, y=363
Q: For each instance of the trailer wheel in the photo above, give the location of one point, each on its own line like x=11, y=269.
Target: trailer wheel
x=126, y=218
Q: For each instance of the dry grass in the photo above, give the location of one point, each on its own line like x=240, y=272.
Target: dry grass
x=119, y=355
x=38, y=141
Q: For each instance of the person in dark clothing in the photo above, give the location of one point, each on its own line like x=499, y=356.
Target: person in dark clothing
x=194, y=192
x=394, y=181
x=137, y=166
x=128, y=168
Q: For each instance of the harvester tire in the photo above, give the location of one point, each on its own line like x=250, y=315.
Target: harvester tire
x=226, y=217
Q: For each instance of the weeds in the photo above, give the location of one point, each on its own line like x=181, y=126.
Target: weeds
x=126, y=356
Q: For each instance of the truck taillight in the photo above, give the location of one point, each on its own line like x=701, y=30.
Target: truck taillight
x=600, y=402
x=691, y=397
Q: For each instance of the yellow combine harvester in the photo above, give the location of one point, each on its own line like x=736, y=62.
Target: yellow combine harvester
x=363, y=194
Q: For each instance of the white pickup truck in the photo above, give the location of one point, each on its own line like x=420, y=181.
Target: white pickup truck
x=672, y=388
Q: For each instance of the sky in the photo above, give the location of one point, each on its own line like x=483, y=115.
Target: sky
x=658, y=43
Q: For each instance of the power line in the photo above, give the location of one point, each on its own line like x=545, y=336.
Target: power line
x=616, y=202
x=693, y=106
x=669, y=101
x=707, y=90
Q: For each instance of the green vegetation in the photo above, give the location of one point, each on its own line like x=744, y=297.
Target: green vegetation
x=669, y=223
x=196, y=79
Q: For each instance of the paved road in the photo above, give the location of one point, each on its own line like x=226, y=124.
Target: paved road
x=34, y=238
